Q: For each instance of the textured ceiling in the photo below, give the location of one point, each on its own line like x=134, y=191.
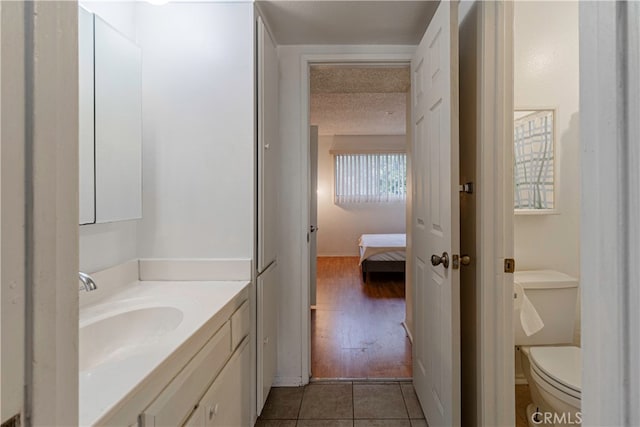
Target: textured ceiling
x=327, y=79
x=347, y=22
x=358, y=100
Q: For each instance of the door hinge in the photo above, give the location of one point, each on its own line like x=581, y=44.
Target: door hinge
x=509, y=265
x=467, y=188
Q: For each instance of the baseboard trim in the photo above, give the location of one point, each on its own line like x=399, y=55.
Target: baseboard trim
x=360, y=380
x=287, y=382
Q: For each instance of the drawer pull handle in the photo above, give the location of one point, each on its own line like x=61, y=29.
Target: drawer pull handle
x=213, y=411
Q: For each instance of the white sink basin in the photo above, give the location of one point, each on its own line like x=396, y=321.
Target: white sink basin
x=118, y=335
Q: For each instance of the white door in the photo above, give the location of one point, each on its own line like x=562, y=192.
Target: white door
x=266, y=283
x=436, y=220
x=267, y=331
x=313, y=213
x=268, y=143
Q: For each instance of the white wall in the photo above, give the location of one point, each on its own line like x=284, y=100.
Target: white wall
x=293, y=183
x=198, y=153
x=546, y=75
x=105, y=245
x=198, y=117
x=198, y=133
x=342, y=225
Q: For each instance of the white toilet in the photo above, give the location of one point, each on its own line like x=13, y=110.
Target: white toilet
x=551, y=365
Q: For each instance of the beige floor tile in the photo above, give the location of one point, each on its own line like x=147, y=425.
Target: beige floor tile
x=325, y=423
x=327, y=402
x=378, y=401
x=411, y=400
x=283, y=403
x=276, y=423
x=382, y=423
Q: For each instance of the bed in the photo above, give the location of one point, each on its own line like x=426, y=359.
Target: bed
x=382, y=253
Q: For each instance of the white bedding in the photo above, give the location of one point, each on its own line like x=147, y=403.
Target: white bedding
x=374, y=245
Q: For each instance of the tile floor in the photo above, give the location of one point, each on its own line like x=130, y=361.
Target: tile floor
x=343, y=404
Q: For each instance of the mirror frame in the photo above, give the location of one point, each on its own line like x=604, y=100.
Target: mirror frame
x=554, y=210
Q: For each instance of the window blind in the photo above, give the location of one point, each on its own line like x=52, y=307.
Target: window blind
x=370, y=178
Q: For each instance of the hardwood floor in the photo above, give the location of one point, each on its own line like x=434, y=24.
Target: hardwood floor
x=356, y=328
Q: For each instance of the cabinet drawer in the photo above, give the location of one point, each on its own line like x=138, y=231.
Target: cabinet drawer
x=240, y=324
x=176, y=401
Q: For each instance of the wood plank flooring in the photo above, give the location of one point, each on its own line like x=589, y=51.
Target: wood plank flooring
x=356, y=328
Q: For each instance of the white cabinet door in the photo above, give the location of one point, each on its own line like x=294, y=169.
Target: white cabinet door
x=268, y=145
x=227, y=403
x=267, y=342
x=436, y=220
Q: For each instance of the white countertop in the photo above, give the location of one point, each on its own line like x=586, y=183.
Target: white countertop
x=111, y=388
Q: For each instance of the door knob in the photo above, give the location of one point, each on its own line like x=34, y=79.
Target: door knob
x=437, y=260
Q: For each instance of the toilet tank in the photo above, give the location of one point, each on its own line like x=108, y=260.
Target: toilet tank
x=554, y=296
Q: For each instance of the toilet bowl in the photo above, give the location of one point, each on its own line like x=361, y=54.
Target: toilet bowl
x=551, y=365
x=554, y=377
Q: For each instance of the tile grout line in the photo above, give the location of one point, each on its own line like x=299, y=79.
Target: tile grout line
x=353, y=406
x=404, y=400
x=304, y=390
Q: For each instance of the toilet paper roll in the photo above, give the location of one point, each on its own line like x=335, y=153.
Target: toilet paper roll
x=529, y=317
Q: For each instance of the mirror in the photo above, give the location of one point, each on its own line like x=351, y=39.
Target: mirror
x=110, y=123
x=118, y=121
x=534, y=161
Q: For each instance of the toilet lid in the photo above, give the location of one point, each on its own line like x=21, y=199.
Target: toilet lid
x=559, y=364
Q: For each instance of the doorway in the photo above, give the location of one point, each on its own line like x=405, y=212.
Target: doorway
x=358, y=212
x=547, y=205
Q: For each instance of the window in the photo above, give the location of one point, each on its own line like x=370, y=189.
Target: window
x=370, y=178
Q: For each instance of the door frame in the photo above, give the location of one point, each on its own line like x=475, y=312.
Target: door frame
x=610, y=234
x=495, y=379
x=40, y=212
x=496, y=385
x=306, y=61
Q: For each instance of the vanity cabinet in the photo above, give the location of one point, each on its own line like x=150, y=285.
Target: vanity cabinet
x=214, y=388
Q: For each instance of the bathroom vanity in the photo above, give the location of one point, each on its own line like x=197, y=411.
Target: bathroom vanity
x=164, y=352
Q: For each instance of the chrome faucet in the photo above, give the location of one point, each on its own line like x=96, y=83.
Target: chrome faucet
x=87, y=282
